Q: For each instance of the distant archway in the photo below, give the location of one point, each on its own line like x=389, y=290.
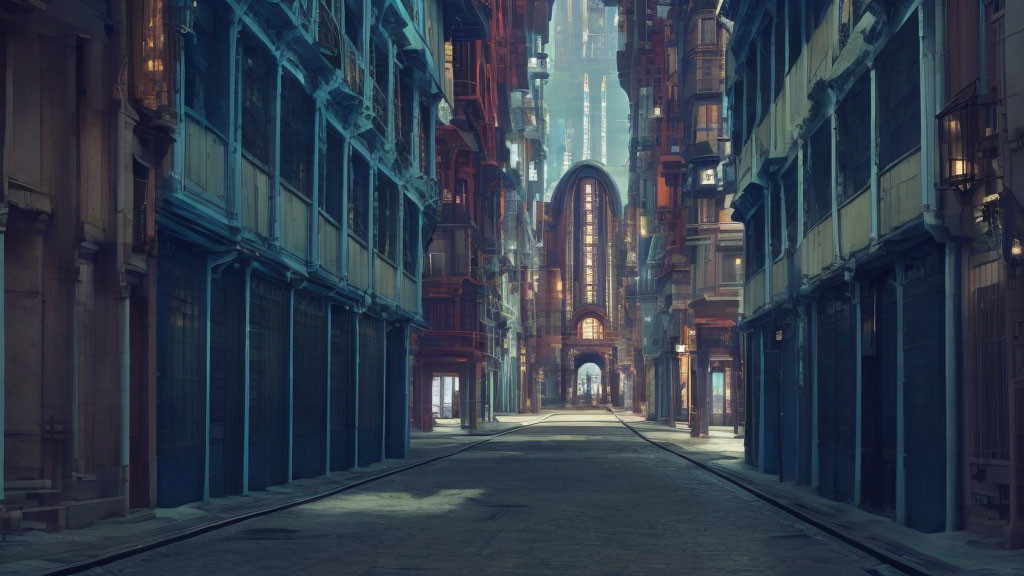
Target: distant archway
x=589, y=386
x=588, y=255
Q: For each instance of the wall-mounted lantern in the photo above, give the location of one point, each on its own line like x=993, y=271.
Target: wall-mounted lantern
x=961, y=127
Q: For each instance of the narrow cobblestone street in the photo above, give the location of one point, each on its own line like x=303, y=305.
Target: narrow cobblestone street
x=575, y=494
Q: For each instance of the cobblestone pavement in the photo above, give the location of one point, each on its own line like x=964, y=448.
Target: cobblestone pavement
x=575, y=494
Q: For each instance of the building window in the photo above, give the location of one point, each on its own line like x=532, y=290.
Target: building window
x=359, y=197
x=764, y=71
x=794, y=10
x=750, y=95
x=789, y=191
x=899, y=95
x=730, y=266
x=410, y=243
x=333, y=171
x=387, y=217
x=708, y=32
x=775, y=225
x=354, y=23
x=853, y=140
x=818, y=177
x=259, y=84
x=707, y=210
x=591, y=329
x=706, y=122
x=207, y=66
x=779, y=62
x=297, y=140
x=435, y=264
x=589, y=244
x=753, y=232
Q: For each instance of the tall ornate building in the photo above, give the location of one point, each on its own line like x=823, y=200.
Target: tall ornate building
x=86, y=111
x=881, y=286
x=586, y=109
x=291, y=219
x=681, y=246
x=472, y=360
x=583, y=285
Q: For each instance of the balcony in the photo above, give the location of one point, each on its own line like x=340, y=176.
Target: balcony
x=354, y=69
x=412, y=8
x=358, y=264
x=380, y=110
x=205, y=161
x=386, y=278
x=328, y=37
x=537, y=66
x=295, y=209
x=467, y=20
x=256, y=194
x=410, y=293
x=451, y=340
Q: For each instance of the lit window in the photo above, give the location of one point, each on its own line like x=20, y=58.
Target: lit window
x=591, y=329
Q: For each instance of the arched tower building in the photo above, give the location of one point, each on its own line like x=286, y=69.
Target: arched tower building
x=581, y=306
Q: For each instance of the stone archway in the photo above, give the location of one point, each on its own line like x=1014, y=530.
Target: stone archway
x=585, y=257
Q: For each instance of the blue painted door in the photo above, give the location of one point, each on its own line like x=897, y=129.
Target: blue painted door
x=309, y=374
x=371, y=390
x=878, y=396
x=790, y=416
x=268, y=383
x=397, y=377
x=227, y=386
x=770, y=415
x=837, y=398
x=181, y=366
x=343, y=376
x=924, y=392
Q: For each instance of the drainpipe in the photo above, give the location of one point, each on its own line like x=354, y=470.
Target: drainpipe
x=211, y=263
x=355, y=388
x=291, y=381
x=327, y=411
x=246, y=370
x=3, y=371
x=125, y=317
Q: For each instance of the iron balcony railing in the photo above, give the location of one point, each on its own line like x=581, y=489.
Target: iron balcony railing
x=354, y=69
x=328, y=38
x=380, y=109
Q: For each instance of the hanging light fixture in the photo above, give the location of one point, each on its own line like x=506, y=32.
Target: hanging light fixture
x=960, y=130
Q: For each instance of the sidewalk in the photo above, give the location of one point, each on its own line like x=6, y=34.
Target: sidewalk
x=35, y=553
x=944, y=553
x=503, y=422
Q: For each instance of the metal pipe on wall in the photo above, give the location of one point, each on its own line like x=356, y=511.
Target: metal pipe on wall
x=125, y=377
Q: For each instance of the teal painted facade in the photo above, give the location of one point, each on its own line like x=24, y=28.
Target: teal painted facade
x=293, y=212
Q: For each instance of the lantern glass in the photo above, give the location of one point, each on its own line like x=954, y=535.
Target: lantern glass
x=958, y=139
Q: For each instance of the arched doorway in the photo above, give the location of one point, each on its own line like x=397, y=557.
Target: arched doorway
x=585, y=276
x=589, y=387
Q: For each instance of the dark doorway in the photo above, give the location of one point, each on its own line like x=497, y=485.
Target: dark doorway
x=227, y=382
x=371, y=389
x=268, y=377
x=878, y=396
x=924, y=392
x=140, y=396
x=309, y=385
x=181, y=365
x=343, y=393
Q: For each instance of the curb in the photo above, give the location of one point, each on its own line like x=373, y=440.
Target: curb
x=153, y=544
x=900, y=563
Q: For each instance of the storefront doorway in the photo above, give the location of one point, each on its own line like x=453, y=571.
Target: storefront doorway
x=444, y=395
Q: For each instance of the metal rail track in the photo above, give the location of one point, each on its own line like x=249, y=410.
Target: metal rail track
x=887, y=559
x=140, y=548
